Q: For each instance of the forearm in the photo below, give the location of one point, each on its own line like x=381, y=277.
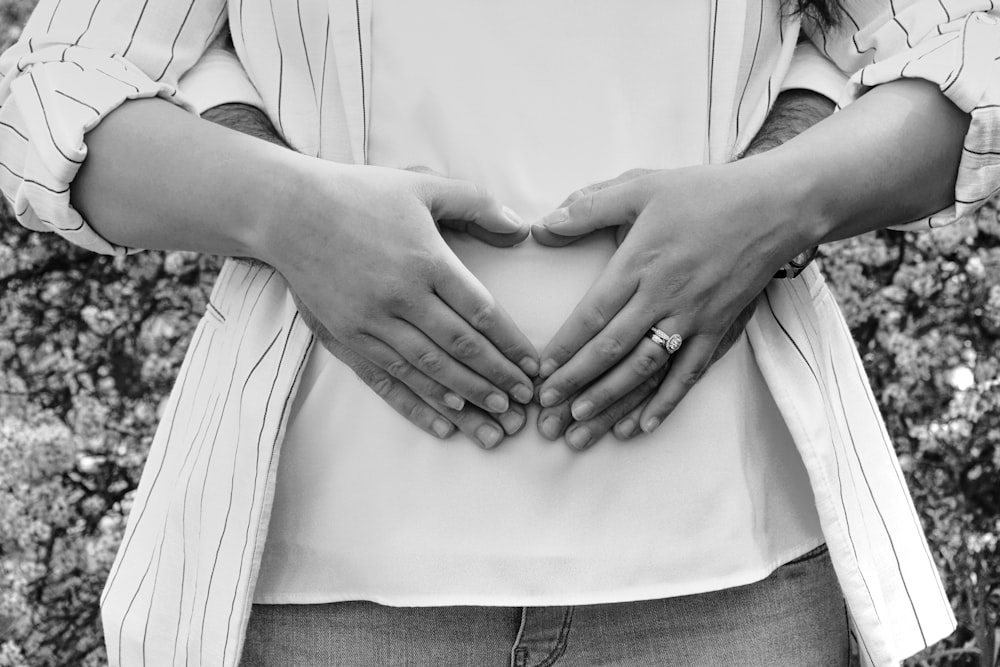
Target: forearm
x=156, y=177
x=888, y=158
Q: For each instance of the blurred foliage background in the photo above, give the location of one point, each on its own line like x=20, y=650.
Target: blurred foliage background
x=89, y=347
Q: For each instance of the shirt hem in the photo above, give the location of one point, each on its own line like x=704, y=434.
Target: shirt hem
x=494, y=599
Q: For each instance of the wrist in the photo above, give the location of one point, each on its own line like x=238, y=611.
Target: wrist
x=277, y=196
x=786, y=200
x=293, y=206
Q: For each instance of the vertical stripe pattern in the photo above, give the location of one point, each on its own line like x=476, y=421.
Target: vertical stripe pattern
x=179, y=591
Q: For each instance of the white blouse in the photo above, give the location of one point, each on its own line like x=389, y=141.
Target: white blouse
x=534, y=100
x=181, y=586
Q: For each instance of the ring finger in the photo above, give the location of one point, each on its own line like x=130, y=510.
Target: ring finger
x=648, y=357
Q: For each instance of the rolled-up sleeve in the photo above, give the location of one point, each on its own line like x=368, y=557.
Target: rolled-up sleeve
x=953, y=43
x=75, y=62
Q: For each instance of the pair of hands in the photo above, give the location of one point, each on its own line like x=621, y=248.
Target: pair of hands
x=385, y=294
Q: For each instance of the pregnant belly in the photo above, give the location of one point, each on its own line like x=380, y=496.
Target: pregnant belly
x=537, y=285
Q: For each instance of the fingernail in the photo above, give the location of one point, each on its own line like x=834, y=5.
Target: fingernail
x=556, y=217
x=625, y=428
x=548, y=397
x=512, y=422
x=579, y=438
x=581, y=410
x=513, y=218
x=454, y=401
x=441, y=428
x=497, y=403
x=488, y=435
x=529, y=366
x=522, y=393
x=551, y=427
x=650, y=424
x=549, y=367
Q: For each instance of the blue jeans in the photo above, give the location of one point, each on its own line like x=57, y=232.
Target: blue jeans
x=795, y=618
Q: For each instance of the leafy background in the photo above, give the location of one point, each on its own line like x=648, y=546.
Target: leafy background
x=89, y=347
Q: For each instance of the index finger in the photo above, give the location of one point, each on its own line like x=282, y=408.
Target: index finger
x=605, y=298
x=461, y=291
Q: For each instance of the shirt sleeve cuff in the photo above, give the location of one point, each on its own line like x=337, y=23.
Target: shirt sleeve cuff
x=963, y=59
x=45, y=115
x=810, y=70
x=218, y=78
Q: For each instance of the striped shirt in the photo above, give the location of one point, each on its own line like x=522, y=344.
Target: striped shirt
x=181, y=586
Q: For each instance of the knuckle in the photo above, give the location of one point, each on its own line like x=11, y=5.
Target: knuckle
x=398, y=298
x=483, y=315
x=651, y=383
x=691, y=379
x=415, y=412
x=465, y=346
x=645, y=364
x=398, y=368
x=610, y=347
x=426, y=265
x=430, y=362
x=381, y=384
x=593, y=318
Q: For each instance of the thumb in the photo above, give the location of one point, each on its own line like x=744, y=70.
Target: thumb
x=611, y=207
x=471, y=208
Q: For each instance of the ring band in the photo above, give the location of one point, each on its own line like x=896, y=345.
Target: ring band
x=669, y=342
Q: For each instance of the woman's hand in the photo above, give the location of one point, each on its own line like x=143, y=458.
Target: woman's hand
x=703, y=243
x=421, y=409
x=617, y=413
x=360, y=249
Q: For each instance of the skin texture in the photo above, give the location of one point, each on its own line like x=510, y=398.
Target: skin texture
x=426, y=403
x=705, y=241
x=617, y=399
x=321, y=224
x=890, y=157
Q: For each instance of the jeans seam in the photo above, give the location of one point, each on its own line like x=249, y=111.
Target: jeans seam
x=560, y=648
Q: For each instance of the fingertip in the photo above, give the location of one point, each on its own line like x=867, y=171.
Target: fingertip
x=489, y=436
x=529, y=365
x=555, y=218
x=650, y=424
x=454, y=401
x=547, y=368
x=624, y=429
x=512, y=421
x=549, y=397
x=497, y=403
x=579, y=437
x=442, y=428
x=549, y=238
x=582, y=410
x=551, y=427
x=516, y=221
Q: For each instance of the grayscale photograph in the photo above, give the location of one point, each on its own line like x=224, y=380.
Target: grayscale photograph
x=467, y=333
